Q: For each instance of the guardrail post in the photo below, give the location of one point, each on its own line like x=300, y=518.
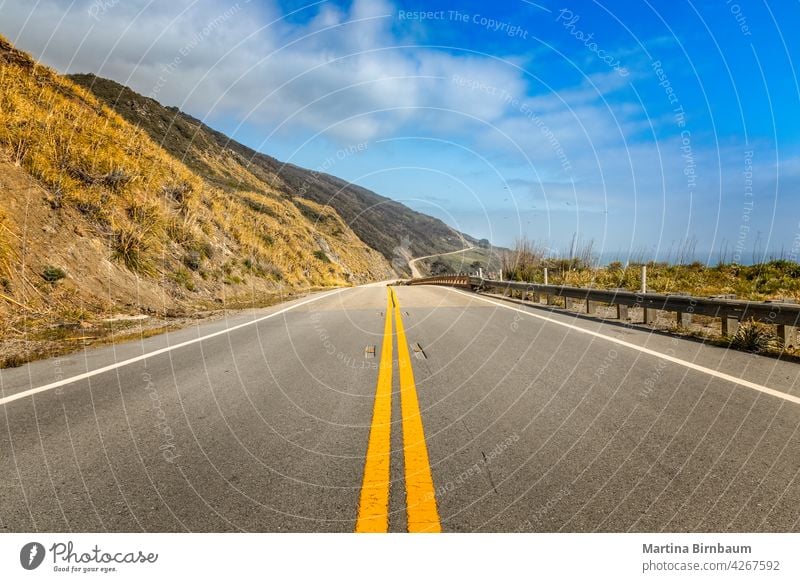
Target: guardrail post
x=730, y=324
x=788, y=334
x=684, y=319
x=650, y=315
x=591, y=307
x=622, y=311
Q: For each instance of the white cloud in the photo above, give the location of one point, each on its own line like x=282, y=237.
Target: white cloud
x=212, y=57
x=343, y=73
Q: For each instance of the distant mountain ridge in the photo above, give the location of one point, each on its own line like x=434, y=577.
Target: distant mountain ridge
x=389, y=227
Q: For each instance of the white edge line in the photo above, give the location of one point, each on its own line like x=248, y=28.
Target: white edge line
x=104, y=369
x=674, y=360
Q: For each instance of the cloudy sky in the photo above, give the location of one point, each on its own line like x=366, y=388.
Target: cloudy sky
x=637, y=125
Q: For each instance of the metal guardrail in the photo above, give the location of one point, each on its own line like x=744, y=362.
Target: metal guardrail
x=731, y=311
x=449, y=280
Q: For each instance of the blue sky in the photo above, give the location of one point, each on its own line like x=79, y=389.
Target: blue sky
x=637, y=125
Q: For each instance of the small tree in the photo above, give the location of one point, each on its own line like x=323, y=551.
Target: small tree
x=439, y=267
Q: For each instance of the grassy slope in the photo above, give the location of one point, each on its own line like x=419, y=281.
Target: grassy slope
x=379, y=222
x=134, y=229
x=462, y=262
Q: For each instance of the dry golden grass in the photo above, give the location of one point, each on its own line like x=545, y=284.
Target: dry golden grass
x=776, y=279
x=6, y=251
x=137, y=230
x=148, y=206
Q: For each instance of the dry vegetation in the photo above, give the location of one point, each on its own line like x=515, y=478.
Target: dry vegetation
x=96, y=218
x=777, y=279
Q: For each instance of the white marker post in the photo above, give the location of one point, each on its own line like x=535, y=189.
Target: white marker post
x=649, y=314
x=547, y=299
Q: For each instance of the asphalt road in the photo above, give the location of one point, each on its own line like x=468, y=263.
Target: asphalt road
x=532, y=421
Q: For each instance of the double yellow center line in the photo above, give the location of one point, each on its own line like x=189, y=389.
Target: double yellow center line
x=373, y=510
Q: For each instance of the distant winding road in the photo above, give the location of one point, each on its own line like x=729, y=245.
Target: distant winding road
x=412, y=264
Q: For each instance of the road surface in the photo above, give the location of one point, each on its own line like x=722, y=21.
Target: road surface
x=402, y=409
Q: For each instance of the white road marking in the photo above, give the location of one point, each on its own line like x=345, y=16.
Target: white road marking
x=674, y=360
x=104, y=369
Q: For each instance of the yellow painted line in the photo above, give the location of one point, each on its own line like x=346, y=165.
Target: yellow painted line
x=423, y=516
x=373, y=507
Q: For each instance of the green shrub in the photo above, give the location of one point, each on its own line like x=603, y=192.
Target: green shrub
x=177, y=191
x=755, y=337
x=147, y=215
x=132, y=249
x=322, y=256
x=183, y=278
x=206, y=249
x=52, y=274
x=193, y=260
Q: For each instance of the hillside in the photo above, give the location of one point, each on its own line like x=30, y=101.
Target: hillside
x=379, y=222
x=97, y=218
x=487, y=259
